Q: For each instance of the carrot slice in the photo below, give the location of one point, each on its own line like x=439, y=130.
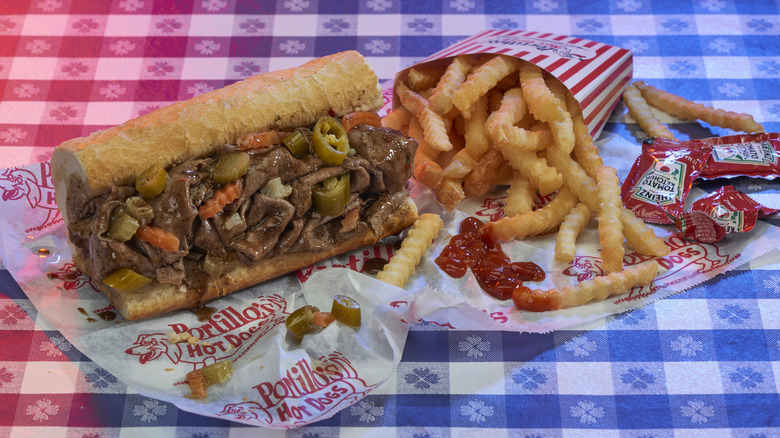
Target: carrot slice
x=222, y=197
x=261, y=140
x=158, y=237
x=197, y=384
x=323, y=319
x=361, y=118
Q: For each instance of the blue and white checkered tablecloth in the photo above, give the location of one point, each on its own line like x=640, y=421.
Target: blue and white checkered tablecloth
x=703, y=363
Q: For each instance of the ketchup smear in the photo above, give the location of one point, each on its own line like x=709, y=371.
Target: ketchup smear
x=474, y=248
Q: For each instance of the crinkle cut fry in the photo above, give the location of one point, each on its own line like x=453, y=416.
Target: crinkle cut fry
x=422, y=78
x=572, y=225
x=475, y=130
x=599, y=288
x=434, y=129
x=562, y=130
x=397, y=118
x=541, y=101
x=637, y=234
x=485, y=77
x=400, y=267
x=478, y=182
x=610, y=222
x=453, y=77
x=520, y=195
x=534, y=222
x=586, y=152
x=685, y=109
x=641, y=112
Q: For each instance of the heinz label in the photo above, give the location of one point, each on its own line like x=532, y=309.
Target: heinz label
x=661, y=184
x=756, y=153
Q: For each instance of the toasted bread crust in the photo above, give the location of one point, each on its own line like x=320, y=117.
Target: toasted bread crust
x=280, y=100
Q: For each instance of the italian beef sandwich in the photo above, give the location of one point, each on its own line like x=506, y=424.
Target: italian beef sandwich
x=233, y=187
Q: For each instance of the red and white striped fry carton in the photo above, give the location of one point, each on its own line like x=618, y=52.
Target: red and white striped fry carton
x=594, y=72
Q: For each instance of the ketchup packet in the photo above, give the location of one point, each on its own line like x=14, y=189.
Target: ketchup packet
x=753, y=155
x=727, y=210
x=661, y=178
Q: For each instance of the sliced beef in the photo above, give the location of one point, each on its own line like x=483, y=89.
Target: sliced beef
x=174, y=210
x=381, y=208
x=207, y=238
x=389, y=152
x=267, y=218
x=301, y=194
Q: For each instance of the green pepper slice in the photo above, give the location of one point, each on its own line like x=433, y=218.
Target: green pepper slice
x=296, y=143
x=151, y=182
x=230, y=167
x=301, y=321
x=329, y=140
x=218, y=372
x=125, y=279
x=346, y=310
x=123, y=227
x=331, y=196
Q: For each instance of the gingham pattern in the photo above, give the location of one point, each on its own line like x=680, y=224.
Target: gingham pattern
x=703, y=363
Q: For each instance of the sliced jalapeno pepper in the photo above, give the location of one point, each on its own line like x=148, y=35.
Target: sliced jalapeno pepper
x=331, y=196
x=346, y=310
x=123, y=227
x=218, y=372
x=230, y=167
x=151, y=182
x=329, y=140
x=296, y=143
x=301, y=321
x=125, y=279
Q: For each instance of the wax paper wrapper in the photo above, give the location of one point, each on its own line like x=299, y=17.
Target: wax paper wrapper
x=277, y=383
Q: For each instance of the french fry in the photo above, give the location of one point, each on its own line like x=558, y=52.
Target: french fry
x=541, y=101
x=397, y=118
x=610, y=222
x=481, y=80
x=422, y=78
x=641, y=237
x=474, y=128
x=449, y=193
x=562, y=130
x=574, y=177
x=417, y=241
x=572, y=225
x=641, y=112
x=534, y=222
x=520, y=196
x=425, y=168
x=453, y=77
x=478, y=182
x=685, y=109
x=543, y=178
x=599, y=289
x=586, y=152
x=501, y=126
x=434, y=129
x=461, y=165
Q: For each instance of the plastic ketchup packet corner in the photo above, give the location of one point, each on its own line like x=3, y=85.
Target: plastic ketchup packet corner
x=661, y=178
x=725, y=211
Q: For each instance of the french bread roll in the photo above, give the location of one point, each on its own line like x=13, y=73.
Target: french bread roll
x=84, y=169
x=275, y=101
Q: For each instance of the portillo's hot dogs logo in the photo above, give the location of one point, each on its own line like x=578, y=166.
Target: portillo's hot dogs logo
x=229, y=333
x=307, y=391
x=34, y=185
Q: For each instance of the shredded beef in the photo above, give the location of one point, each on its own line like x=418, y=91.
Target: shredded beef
x=254, y=226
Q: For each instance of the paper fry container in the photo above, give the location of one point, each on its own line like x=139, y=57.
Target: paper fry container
x=594, y=72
